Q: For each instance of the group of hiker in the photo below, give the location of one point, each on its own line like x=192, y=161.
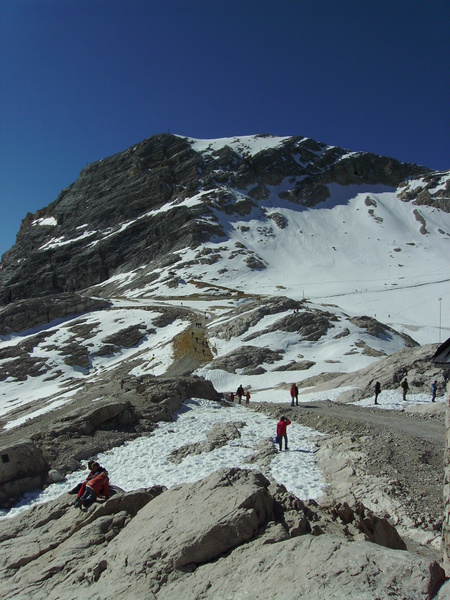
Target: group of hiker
x=405, y=389
x=240, y=394
x=96, y=484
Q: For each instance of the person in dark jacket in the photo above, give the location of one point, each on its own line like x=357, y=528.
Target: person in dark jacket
x=377, y=391
x=433, y=391
x=282, y=432
x=405, y=388
x=240, y=393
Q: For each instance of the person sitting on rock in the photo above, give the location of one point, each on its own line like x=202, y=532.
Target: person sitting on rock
x=96, y=484
x=80, y=487
x=282, y=432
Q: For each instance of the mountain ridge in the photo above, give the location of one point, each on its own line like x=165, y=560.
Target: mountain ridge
x=176, y=231
x=111, y=218
x=178, y=270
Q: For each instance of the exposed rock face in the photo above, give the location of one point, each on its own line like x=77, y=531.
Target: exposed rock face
x=23, y=468
x=246, y=359
x=231, y=533
x=302, y=365
x=377, y=329
x=109, y=221
x=27, y=314
x=433, y=191
x=310, y=325
x=107, y=195
x=254, y=313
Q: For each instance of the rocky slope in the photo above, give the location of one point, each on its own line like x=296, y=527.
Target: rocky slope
x=231, y=535
x=113, y=219
x=126, y=285
x=382, y=471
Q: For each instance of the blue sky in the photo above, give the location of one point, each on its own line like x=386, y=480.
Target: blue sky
x=83, y=79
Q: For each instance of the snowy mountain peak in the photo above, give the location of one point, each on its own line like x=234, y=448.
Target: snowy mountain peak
x=113, y=219
x=276, y=258
x=247, y=145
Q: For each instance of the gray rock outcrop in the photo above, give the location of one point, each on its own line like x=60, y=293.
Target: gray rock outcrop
x=229, y=535
x=23, y=468
x=108, y=222
x=219, y=435
x=38, y=311
x=246, y=359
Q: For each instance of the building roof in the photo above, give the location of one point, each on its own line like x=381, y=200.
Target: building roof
x=441, y=357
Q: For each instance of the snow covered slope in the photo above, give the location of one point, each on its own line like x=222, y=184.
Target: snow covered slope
x=269, y=251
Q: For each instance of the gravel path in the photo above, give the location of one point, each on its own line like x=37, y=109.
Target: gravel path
x=400, y=453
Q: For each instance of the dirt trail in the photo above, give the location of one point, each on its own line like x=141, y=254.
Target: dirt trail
x=399, y=453
x=430, y=428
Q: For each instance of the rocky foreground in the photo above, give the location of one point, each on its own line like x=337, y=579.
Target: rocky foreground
x=231, y=535
x=237, y=534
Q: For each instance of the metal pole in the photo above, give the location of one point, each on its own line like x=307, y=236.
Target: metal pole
x=440, y=321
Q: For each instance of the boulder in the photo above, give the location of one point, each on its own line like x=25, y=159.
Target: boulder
x=22, y=468
x=231, y=535
x=54, y=476
x=308, y=567
x=34, y=312
x=107, y=413
x=219, y=435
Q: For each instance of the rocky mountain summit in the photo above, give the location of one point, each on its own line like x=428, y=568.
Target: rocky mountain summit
x=113, y=219
x=174, y=270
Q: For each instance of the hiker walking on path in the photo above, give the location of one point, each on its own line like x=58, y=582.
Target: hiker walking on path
x=247, y=397
x=405, y=388
x=240, y=393
x=282, y=432
x=294, y=395
x=433, y=391
x=377, y=391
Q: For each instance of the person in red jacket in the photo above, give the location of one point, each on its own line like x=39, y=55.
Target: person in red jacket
x=82, y=486
x=282, y=432
x=96, y=484
x=294, y=395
